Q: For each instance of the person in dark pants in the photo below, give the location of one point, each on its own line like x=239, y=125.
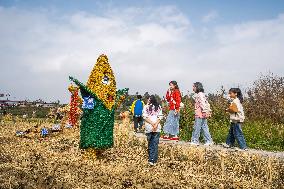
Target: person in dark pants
x=152, y=114
x=236, y=133
x=237, y=117
x=153, y=142
x=136, y=109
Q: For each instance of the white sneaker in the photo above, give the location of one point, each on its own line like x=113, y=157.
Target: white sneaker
x=151, y=164
x=194, y=144
x=208, y=144
x=241, y=150
x=225, y=145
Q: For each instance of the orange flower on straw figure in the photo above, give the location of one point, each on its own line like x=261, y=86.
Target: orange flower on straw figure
x=74, y=111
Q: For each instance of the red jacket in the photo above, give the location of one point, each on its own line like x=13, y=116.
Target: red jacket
x=174, y=99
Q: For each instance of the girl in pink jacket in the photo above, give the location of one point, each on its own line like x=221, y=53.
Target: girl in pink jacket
x=202, y=112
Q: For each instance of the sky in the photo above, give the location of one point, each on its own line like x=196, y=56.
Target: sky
x=148, y=42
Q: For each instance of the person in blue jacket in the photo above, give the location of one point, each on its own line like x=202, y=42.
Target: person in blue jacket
x=137, y=110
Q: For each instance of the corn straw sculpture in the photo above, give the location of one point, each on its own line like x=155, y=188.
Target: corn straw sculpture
x=100, y=101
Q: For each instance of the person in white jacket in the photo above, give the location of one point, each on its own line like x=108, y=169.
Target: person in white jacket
x=152, y=114
x=237, y=118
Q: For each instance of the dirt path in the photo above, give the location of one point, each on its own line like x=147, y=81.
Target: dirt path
x=217, y=147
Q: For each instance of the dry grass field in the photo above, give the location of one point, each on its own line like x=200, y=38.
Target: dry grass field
x=57, y=162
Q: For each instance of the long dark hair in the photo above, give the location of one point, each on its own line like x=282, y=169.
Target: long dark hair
x=238, y=92
x=199, y=87
x=175, y=84
x=153, y=103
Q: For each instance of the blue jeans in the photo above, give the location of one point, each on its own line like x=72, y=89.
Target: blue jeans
x=153, y=142
x=200, y=124
x=236, y=133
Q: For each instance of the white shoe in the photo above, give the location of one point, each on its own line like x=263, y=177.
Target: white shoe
x=241, y=150
x=225, y=145
x=208, y=144
x=194, y=144
x=151, y=164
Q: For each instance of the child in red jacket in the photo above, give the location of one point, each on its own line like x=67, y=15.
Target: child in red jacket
x=171, y=127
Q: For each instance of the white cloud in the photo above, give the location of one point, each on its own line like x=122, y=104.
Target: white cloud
x=210, y=16
x=147, y=47
x=251, y=31
x=54, y=48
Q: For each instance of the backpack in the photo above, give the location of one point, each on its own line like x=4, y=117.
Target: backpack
x=207, y=109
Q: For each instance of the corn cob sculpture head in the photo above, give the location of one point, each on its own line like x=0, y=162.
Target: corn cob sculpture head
x=102, y=82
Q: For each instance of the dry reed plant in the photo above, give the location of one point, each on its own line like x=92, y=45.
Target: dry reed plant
x=57, y=162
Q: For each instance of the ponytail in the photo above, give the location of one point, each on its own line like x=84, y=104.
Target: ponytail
x=238, y=92
x=175, y=84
